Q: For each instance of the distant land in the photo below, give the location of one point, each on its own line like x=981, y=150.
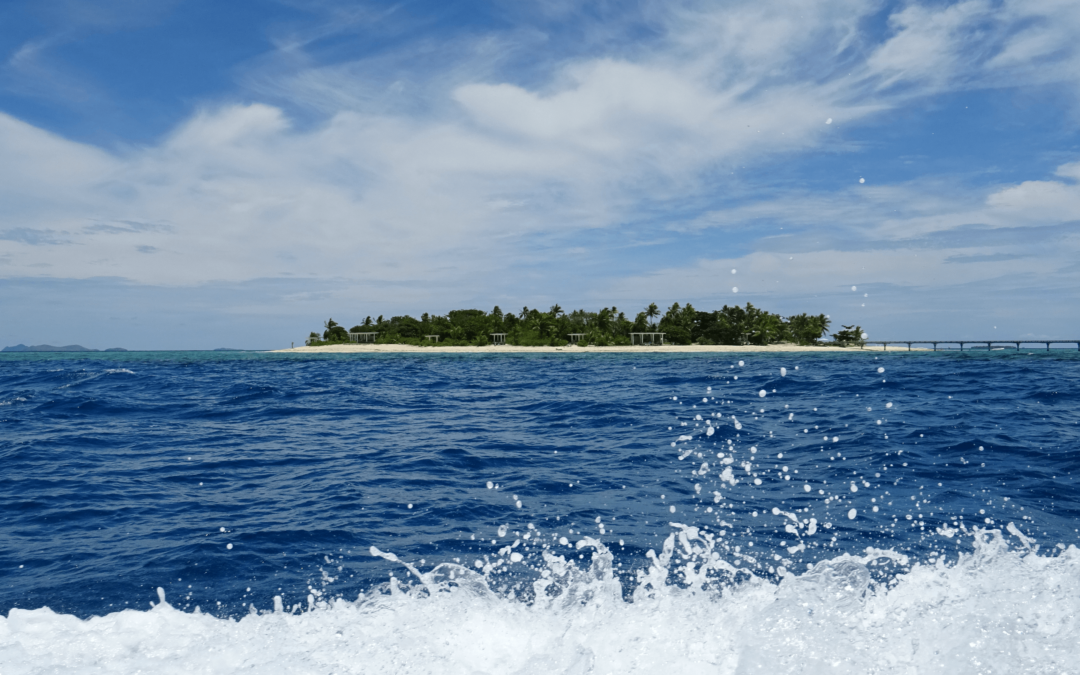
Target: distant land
x=50, y=348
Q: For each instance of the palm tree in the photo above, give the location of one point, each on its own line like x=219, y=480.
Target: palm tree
x=545, y=325
x=651, y=312
x=556, y=311
x=603, y=320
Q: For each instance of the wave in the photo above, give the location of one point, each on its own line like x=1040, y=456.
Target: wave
x=995, y=610
x=84, y=378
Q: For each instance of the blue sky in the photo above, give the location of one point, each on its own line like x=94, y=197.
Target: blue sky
x=198, y=174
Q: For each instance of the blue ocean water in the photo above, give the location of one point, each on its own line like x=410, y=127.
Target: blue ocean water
x=822, y=511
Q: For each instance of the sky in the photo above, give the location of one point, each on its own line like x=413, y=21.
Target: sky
x=202, y=174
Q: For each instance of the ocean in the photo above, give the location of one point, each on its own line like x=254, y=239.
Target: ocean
x=220, y=512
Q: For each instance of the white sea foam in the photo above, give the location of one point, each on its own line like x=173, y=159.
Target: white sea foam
x=995, y=610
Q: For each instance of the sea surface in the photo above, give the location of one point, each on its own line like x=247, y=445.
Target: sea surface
x=865, y=512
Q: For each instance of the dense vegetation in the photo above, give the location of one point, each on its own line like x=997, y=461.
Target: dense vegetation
x=682, y=325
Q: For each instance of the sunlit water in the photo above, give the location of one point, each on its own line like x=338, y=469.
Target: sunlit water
x=802, y=513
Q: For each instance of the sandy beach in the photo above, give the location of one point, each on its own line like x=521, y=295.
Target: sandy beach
x=508, y=349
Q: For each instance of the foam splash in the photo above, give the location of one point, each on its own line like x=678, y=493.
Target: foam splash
x=994, y=610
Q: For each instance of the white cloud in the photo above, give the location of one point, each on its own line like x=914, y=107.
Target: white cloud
x=453, y=181
x=931, y=45
x=977, y=43
x=1036, y=201
x=828, y=272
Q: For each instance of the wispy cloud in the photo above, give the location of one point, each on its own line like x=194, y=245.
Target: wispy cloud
x=32, y=237
x=126, y=227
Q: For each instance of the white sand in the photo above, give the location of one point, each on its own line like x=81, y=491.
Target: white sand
x=509, y=349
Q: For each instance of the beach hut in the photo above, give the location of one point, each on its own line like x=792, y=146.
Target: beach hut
x=433, y=338
x=646, y=338
x=362, y=337
x=574, y=337
x=498, y=338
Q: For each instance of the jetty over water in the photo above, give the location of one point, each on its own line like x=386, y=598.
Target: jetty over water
x=989, y=344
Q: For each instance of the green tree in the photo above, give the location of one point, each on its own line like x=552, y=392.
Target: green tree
x=603, y=321
x=651, y=312
x=334, y=332
x=406, y=327
x=678, y=324
x=850, y=335
x=766, y=329
x=472, y=322
x=806, y=329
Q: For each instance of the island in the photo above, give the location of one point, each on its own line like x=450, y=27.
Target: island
x=680, y=328
x=50, y=348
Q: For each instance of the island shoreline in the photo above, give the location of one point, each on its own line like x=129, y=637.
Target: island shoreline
x=573, y=349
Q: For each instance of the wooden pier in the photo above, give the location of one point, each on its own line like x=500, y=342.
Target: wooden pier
x=990, y=344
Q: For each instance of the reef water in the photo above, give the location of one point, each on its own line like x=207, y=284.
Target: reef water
x=219, y=512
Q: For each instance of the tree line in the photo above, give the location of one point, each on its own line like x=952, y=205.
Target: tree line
x=682, y=324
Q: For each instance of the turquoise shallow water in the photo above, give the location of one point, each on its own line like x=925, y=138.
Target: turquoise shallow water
x=229, y=478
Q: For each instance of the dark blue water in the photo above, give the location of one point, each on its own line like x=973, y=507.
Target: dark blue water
x=228, y=479
x=119, y=471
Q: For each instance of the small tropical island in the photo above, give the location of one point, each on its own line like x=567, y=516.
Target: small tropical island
x=680, y=326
